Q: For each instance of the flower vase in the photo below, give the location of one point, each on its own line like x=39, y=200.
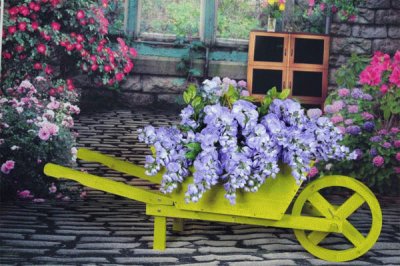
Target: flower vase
x=271, y=24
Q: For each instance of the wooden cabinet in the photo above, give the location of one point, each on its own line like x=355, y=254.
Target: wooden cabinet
x=289, y=60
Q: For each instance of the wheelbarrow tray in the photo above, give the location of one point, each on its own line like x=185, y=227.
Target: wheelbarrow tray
x=270, y=202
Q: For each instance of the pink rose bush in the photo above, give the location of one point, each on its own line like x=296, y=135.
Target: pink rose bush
x=35, y=128
x=368, y=118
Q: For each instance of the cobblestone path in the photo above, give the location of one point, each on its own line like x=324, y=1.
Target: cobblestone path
x=109, y=230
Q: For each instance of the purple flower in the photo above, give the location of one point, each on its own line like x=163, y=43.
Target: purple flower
x=242, y=84
x=378, y=161
x=338, y=105
x=353, y=130
x=396, y=143
x=375, y=139
x=314, y=113
x=359, y=154
x=383, y=132
x=369, y=126
x=329, y=109
x=394, y=130
x=373, y=152
x=386, y=145
x=398, y=156
x=336, y=119
x=357, y=93
x=367, y=97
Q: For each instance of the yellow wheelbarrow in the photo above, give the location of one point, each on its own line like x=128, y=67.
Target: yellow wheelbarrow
x=312, y=216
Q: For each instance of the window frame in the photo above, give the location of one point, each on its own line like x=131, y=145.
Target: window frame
x=208, y=27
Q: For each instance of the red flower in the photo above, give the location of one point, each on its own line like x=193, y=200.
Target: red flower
x=91, y=21
x=73, y=34
x=54, y=3
x=111, y=82
x=48, y=70
x=119, y=76
x=70, y=47
x=7, y=55
x=78, y=46
x=83, y=22
x=22, y=26
x=384, y=89
x=45, y=36
x=84, y=53
x=12, y=29
x=70, y=87
x=35, y=25
x=80, y=38
x=13, y=11
x=70, y=81
x=41, y=48
x=107, y=68
x=37, y=66
x=19, y=48
x=55, y=26
x=60, y=89
x=93, y=58
x=94, y=67
x=395, y=76
x=33, y=6
x=22, y=56
x=133, y=52
x=80, y=14
x=52, y=92
x=24, y=11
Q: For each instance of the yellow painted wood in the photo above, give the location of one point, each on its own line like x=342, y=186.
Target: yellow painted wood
x=270, y=202
x=178, y=224
x=107, y=185
x=160, y=232
x=118, y=165
x=362, y=195
x=287, y=221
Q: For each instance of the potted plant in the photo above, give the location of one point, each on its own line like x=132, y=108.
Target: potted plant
x=273, y=10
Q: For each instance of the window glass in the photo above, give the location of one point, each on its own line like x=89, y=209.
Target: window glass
x=266, y=79
x=236, y=18
x=116, y=15
x=177, y=17
x=269, y=49
x=307, y=83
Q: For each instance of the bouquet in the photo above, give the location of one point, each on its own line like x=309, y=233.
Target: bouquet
x=225, y=138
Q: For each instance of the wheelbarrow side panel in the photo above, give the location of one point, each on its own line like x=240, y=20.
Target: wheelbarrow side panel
x=270, y=202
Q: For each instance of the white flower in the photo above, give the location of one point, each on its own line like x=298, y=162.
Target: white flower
x=15, y=147
x=328, y=166
x=19, y=109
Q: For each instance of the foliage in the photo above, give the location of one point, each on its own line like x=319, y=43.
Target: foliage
x=346, y=10
x=273, y=8
x=223, y=138
x=35, y=128
x=369, y=120
x=347, y=75
x=47, y=37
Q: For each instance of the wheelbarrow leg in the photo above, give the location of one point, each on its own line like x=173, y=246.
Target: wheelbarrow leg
x=160, y=232
x=177, y=225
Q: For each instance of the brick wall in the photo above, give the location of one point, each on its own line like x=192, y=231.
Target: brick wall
x=376, y=28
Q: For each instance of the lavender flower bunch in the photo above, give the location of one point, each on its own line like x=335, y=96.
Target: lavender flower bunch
x=224, y=140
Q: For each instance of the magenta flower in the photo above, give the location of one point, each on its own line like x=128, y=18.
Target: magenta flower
x=386, y=145
x=367, y=116
x=397, y=170
x=348, y=122
x=378, y=161
x=396, y=143
x=398, y=156
x=7, y=166
x=336, y=119
x=313, y=172
x=394, y=130
x=352, y=109
x=25, y=194
x=343, y=92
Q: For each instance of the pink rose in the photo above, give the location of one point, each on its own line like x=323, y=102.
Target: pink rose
x=7, y=166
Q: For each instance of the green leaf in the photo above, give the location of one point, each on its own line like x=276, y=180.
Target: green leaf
x=186, y=97
x=284, y=94
x=196, y=102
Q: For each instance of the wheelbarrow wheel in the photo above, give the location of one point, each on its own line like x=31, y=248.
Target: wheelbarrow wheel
x=361, y=206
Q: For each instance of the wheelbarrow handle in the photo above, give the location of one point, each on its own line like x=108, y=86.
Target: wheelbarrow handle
x=107, y=185
x=118, y=165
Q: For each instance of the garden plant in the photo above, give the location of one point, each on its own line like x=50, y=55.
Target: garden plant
x=46, y=43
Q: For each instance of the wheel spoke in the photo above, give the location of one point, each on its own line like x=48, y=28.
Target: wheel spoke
x=350, y=206
x=322, y=205
x=352, y=234
x=316, y=237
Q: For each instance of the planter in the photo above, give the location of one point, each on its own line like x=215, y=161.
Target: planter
x=271, y=24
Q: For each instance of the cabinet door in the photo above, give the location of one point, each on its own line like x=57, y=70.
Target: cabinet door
x=267, y=48
x=307, y=85
x=309, y=51
x=261, y=80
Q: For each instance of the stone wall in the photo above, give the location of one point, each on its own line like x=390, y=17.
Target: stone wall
x=376, y=28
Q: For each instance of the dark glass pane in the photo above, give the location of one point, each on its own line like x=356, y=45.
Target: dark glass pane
x=311, y=106
x=264, y=80
x=307, y=83
x=309, y=51
x=269, y=49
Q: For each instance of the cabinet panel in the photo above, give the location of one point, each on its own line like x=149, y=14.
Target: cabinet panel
x=308, y=51
x=262, y=80
x=267, y=48
x=306, y=83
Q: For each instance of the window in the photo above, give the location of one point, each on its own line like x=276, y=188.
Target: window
x=117, y=15
x=169, y=18
x=236, y=18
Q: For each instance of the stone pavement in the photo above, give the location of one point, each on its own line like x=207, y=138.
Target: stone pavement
x=109, y=230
